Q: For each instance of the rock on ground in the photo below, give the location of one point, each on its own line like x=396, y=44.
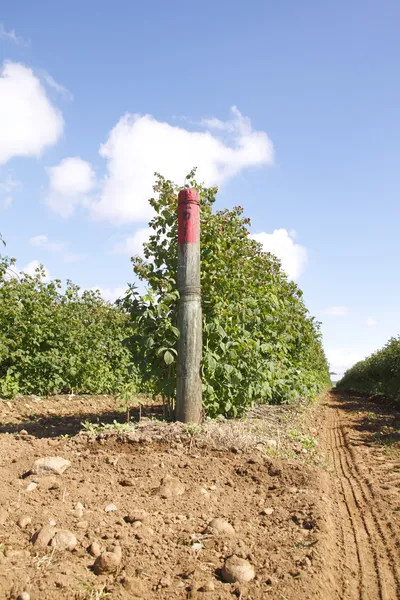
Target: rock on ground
x=94, y=549
x=108, y=562
x=237, y=570
x=64, y=540
x=170, y=487
x=137, y=515
x=50, y=464
x=43, y=536
x=220, y=526
x=24, y=522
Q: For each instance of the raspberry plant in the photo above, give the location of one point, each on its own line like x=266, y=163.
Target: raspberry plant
x=259, y=341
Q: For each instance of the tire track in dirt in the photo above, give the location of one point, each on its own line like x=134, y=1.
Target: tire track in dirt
x=346, y=523
x=369, y=546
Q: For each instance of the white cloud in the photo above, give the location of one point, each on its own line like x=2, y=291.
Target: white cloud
x=134, y=244
x=12, y=36
x=42, y=241
x=110, y=294
x=69, y=184
x=371, y=322
x=30, y=269
x=7, y=188
x=28, y=121
x=58, y=87
x=336, y=311
x=280, y=243
x=341, y=359
x=140, y=145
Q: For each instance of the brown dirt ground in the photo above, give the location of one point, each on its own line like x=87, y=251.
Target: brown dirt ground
x=333, y=533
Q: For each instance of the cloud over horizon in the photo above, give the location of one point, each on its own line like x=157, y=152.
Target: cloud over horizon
x=138, y=146
x=280, y=243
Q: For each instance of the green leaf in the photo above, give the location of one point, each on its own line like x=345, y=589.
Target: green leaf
x=168, y=357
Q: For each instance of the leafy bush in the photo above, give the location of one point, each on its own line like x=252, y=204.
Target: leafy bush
x=54, y=341
x=259, y=342
x=377, y=374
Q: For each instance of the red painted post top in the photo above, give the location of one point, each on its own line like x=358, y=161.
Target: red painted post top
x=188, y=216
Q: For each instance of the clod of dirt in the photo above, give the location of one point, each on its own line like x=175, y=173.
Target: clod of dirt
x=43, y=536
x=209, y=586
x=109, y=561
x=143, y=532
x=135, y=586
x=51, y=464
x=127, y=482
x=237, y=570
x=221, y=527
x=309, y=524
x=274, y=470
x=94, y=549
x=137, y=515
x=110, y=508
x=24, y=596
x=24, y=522
x=170, y=487
x=64, y=540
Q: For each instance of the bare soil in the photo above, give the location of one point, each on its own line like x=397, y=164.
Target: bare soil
x=315, y=522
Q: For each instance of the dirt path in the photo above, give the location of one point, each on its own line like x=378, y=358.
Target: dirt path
x=316, y=521
x=366, y=493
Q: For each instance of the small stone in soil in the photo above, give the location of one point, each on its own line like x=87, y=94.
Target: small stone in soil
x=266, y=512
x=237, y=570
x=79, y=510
x=166, y=581
x=110, y=508
x=171, y=487
x=94, y=549
x=137, y=515
x=43, y=536
x=31, y=486
x=220, y=526
x=108, y=562
x=64, y=540
x=50, y=464
x=24, y=522
x=24, y=596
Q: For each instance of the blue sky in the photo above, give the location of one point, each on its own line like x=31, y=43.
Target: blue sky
x=95, y=96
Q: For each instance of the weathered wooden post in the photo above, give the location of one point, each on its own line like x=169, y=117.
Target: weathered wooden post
x=189, y=389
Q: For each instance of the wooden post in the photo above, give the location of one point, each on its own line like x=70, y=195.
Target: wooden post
x=189, y=389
